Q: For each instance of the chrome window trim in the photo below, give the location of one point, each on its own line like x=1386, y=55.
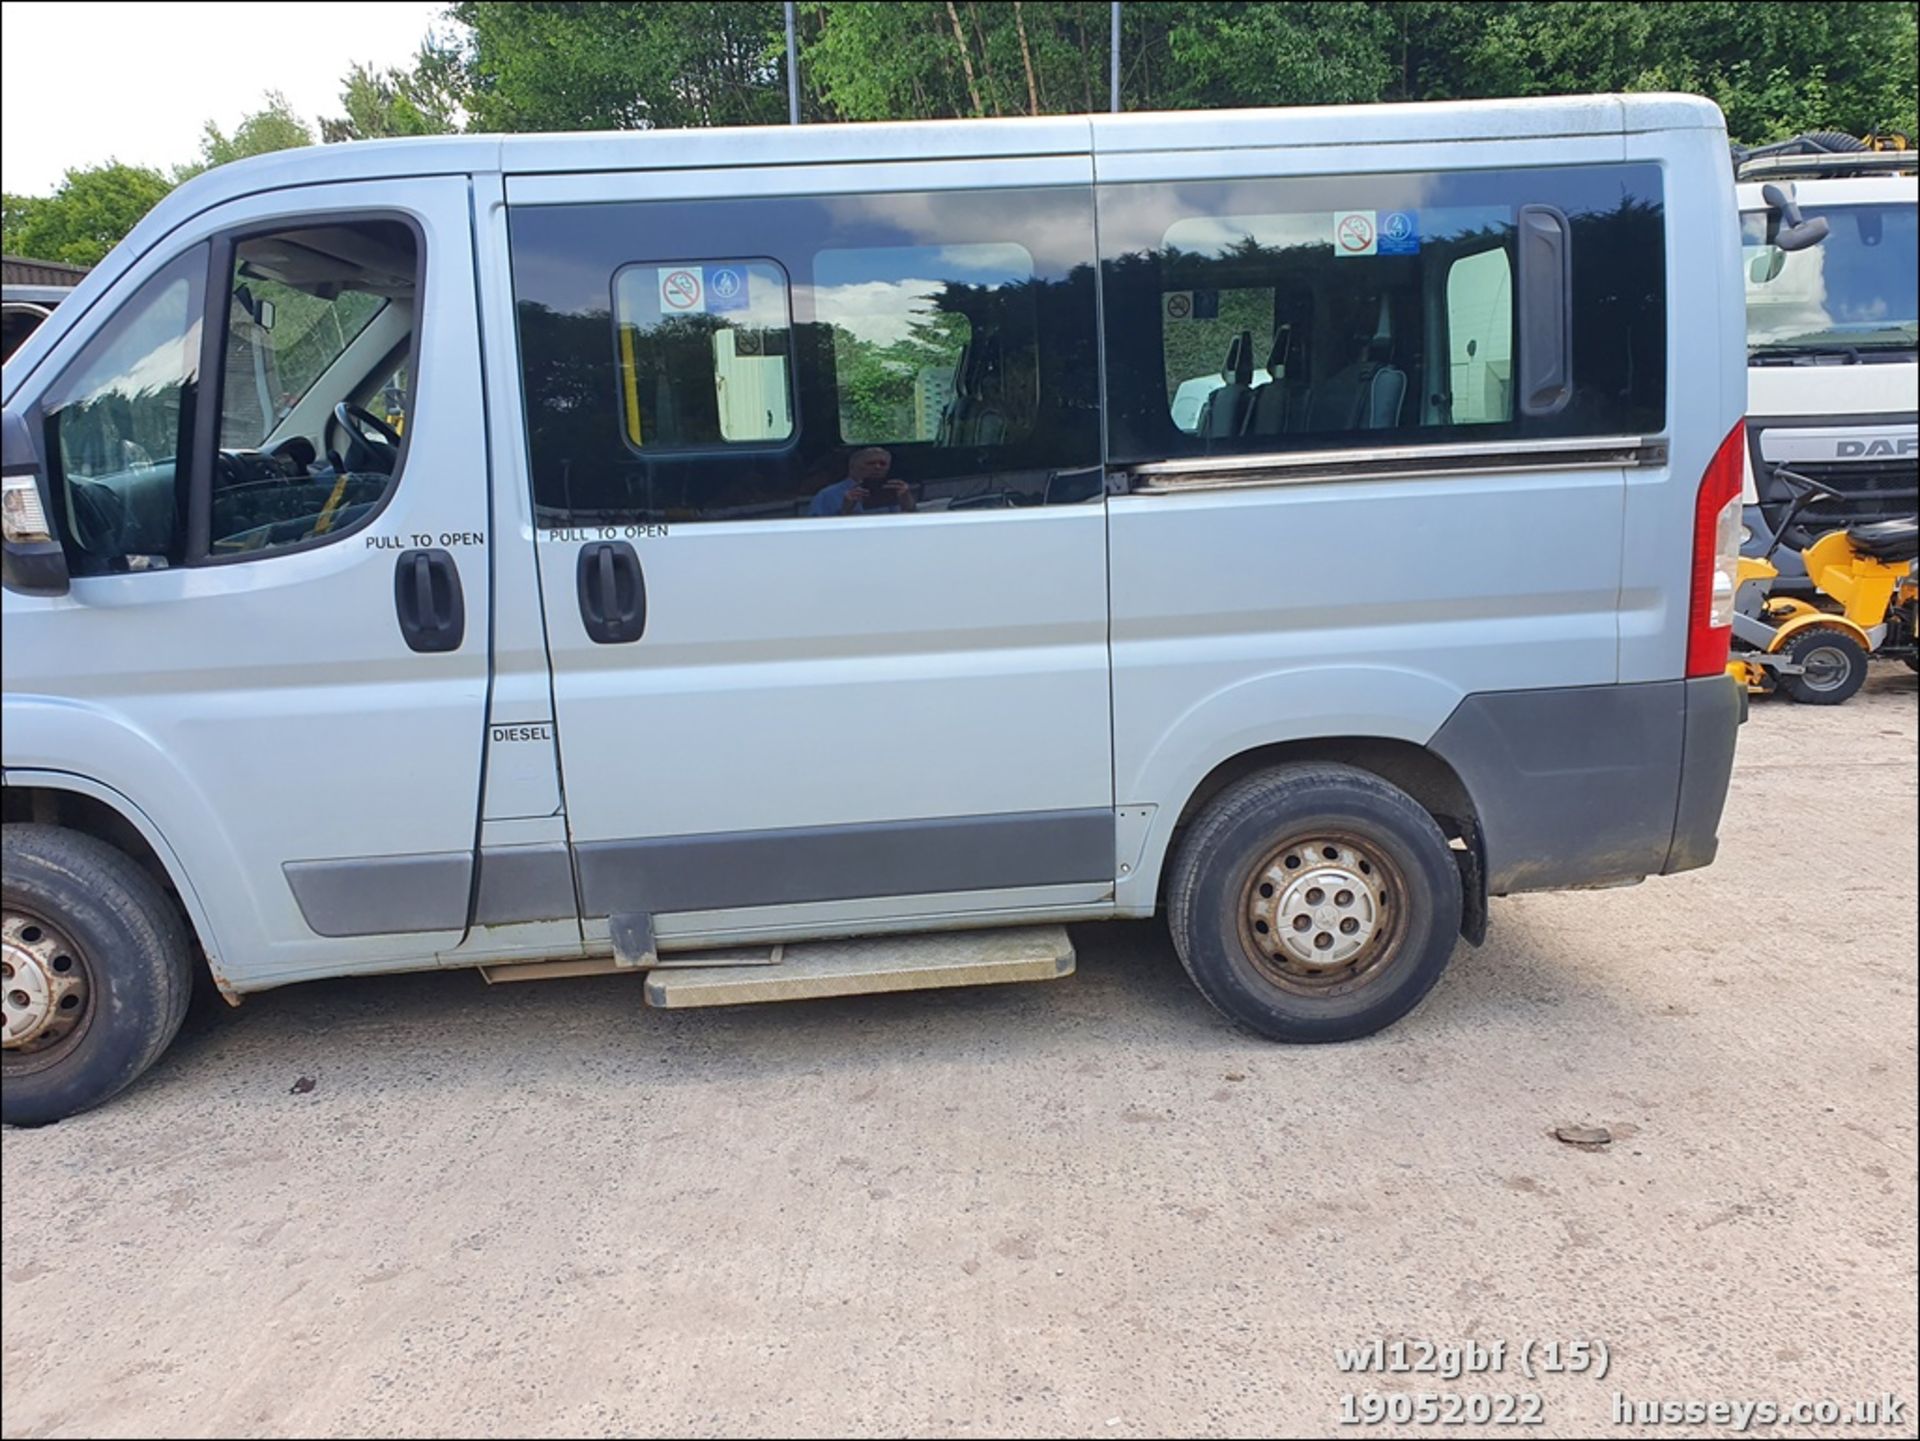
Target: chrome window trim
x=1396, y=462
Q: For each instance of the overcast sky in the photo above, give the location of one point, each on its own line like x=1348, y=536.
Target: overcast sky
x=136, y=82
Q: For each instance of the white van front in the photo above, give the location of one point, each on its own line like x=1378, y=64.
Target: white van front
x=1833, y=334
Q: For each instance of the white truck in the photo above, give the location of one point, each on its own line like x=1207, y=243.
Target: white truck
x=1832, y=327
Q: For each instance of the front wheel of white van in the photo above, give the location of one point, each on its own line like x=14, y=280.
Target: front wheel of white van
x=1314, y=903
x=95, y=974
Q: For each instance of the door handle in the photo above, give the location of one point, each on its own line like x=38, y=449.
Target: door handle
x=428, y=600
x=613, y=592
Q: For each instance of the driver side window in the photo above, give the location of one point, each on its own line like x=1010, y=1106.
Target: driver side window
x=318, y=318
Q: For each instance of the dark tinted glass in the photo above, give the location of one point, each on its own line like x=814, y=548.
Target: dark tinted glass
x=1327, y=312
x=940, y=356
x=120, y=420
x=286, y=474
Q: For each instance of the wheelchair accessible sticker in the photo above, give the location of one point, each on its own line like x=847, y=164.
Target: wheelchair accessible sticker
x=1400, y=233
x=726, y=288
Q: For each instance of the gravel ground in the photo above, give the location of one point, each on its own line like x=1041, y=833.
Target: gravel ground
x=1085, y=1207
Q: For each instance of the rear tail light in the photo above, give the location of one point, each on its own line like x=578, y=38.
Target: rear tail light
x=1716, y=556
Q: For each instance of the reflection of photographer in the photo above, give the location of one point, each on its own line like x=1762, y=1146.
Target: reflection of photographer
x=866, y=490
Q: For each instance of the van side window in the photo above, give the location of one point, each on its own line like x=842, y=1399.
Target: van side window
x=909, y=361
x=318, y=328
x=703, y=349
x=1333, y=312
x=120, y=421
x=881, y=355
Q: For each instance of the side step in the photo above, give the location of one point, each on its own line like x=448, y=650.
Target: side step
x=879, y=963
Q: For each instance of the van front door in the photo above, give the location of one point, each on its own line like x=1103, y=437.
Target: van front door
x=822, y=549
x=270, y=472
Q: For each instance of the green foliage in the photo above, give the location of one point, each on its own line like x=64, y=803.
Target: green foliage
x=422, y=99
x=1774, y=68
x=86, y=217
x=264, y=131
x=876, y=383
x=622, y=66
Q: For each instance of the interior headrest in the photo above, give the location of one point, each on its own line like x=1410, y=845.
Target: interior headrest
x=1240, y=358
x=1277, y=355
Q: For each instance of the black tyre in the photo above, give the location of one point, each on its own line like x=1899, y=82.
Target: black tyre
x=96, y=973
x=1314, y=903
x=1836, y=666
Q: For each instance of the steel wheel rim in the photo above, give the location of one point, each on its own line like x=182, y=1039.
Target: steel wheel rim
x=1323, y=913
x=1824, y=668
x=46, y=992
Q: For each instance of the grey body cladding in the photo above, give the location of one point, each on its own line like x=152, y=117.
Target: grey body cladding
x=524, y=883
x=838, y=863
x=1594, y=785
x=380, y=895
x=383, y=895
x=1579, y=786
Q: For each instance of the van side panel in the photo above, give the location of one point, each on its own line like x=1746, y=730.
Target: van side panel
x=1491, y=617
x=1246, y=618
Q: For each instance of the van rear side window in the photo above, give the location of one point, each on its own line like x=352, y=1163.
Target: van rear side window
x=1357, y=311
x=703, y=353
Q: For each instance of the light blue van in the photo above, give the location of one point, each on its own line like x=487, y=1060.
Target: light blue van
x=777, y=562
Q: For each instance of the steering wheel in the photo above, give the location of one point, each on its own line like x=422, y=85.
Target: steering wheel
x=1795, y=478
x=375, y=452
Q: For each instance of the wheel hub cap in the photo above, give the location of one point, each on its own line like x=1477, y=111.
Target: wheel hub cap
x=43, y=986
x=1317, y=906
x=1825, y=668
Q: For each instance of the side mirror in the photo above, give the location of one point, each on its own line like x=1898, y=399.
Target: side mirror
x=1767, y=266
x=31, y=560
x=1795, y=231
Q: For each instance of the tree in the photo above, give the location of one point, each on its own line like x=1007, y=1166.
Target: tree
x=1774, y=68
x=622, y=66
x=86, y=216
x=276, y=127
x=422, y=99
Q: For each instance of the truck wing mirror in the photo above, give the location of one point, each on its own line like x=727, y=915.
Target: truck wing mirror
x=31, y=560
x=1795, y=231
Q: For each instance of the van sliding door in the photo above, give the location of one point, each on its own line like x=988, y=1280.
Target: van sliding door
x=821, y=538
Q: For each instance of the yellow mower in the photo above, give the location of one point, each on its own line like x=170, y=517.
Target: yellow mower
x=1816, y=651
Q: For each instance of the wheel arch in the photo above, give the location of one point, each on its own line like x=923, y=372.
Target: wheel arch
x=1423, y=774
x=92, y=808
x=1817, y=620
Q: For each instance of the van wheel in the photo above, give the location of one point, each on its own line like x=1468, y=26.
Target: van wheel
x=95, y=972
x=1836, y=666
x=1314, y=903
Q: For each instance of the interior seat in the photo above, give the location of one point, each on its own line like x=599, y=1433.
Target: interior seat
x=1281, y=404
x=1225, y=413
x=1890, y=540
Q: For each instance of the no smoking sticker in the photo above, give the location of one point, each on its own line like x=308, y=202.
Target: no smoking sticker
x=683, y=289
x=1354, y=233
x=1179, y=304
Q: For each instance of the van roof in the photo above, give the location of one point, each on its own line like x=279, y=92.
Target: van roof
x=750, y=146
